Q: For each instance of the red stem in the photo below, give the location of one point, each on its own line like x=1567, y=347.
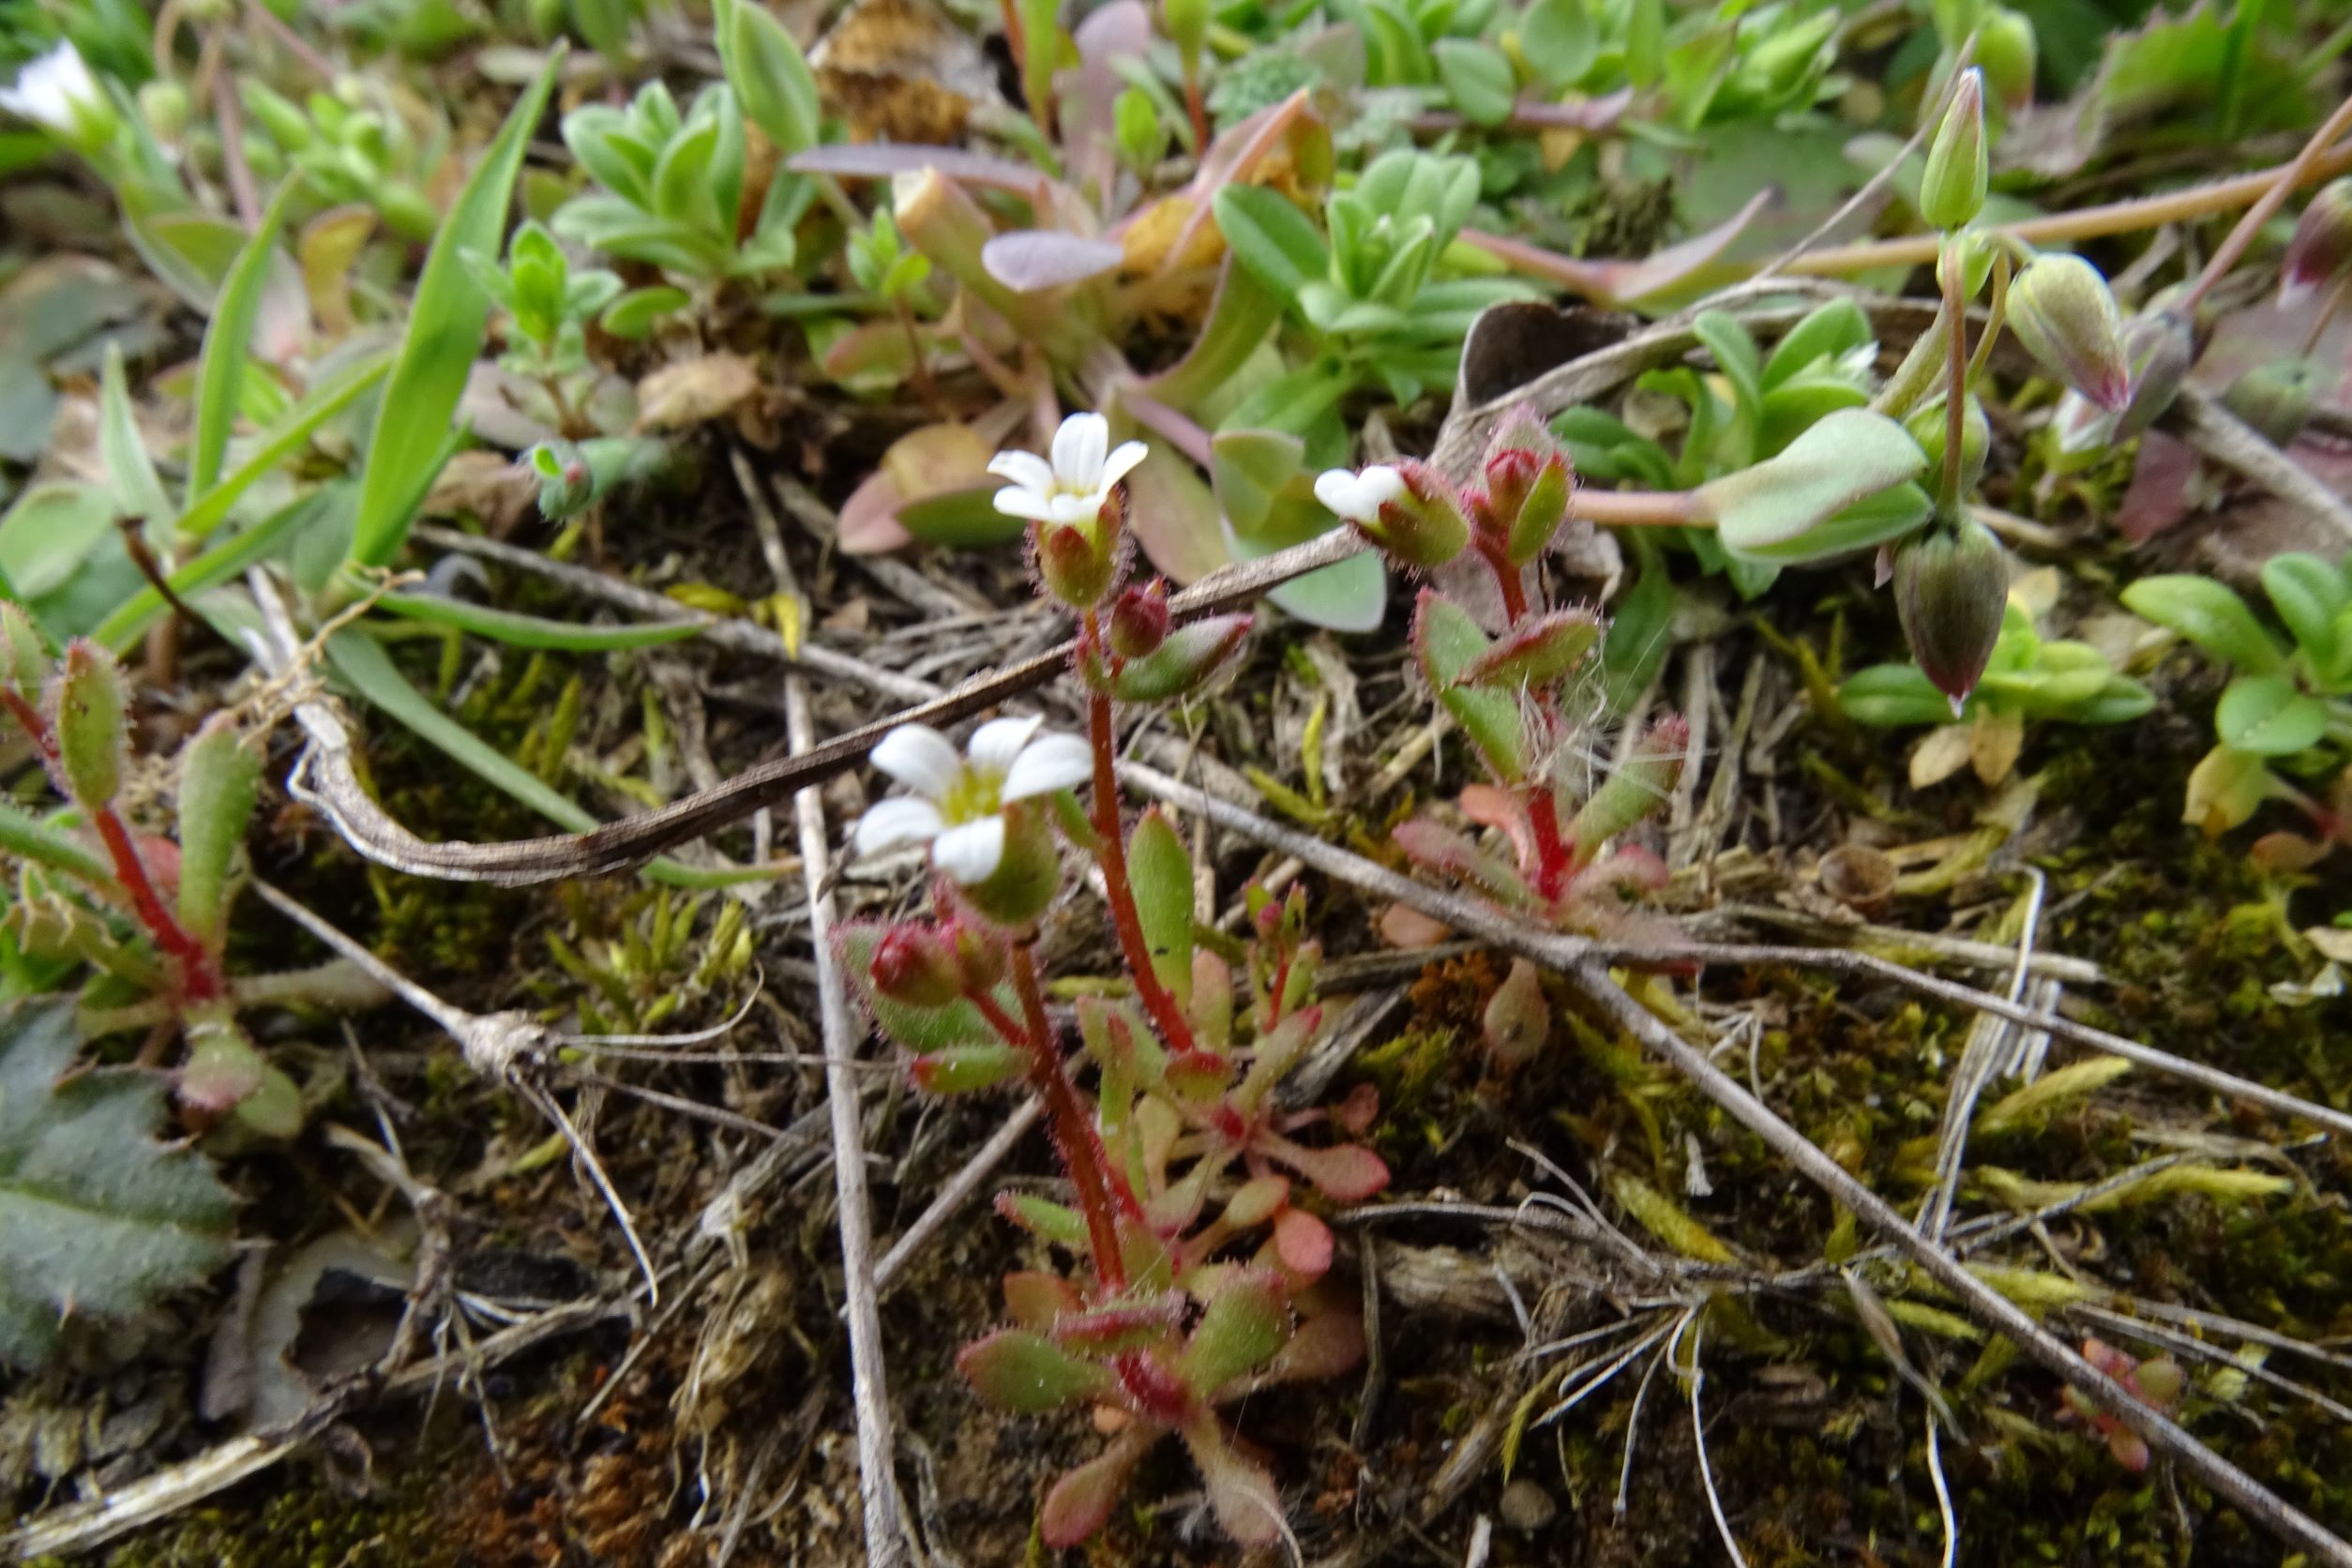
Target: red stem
x=1112, y=852
x=1507, y=579
x=200, y=978
x=1553, y=855
x=1196, y=110
x=1074, y=1134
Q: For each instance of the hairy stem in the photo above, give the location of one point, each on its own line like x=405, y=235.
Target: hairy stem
x=1111, y=854
x=1637, y=510
x=1074, y=1135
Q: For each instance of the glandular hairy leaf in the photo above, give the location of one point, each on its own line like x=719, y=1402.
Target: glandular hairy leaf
x=97, y=1217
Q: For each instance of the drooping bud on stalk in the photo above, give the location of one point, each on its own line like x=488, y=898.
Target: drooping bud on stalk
x=1407, y=509
x=916, y=965
x=2274, y=398
x=1958, y=165
x=2062, y=312
x=2159, y=348
x=2321, y=250
x=1139, y=620
x=2006, y=48
x=88, y=717
x=1927, y=425
x=1951, y=586
x=1639, y=790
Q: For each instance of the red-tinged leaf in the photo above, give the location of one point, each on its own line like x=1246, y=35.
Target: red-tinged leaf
x=965, y=1069
x=1191, y=656
x=1245, y=1325
x=1042, y=1217
x=1327, y=1345
x=1435, y=847
x=1359, y=1110
x=1541, y=652
x=1014, y=1369
x=869, y=518
x=1080, y=1503
x=1347, y=1172
x=1241, y=1493
x=1303, y=1242
x=2128, y=1450
x=1120, y=1325
x=1036, y=1300
x=1505, y=812
x=1029, y=260
x=883, y=160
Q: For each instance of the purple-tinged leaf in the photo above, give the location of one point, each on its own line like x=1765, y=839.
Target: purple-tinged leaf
x=883, y=160
x=1080, y=1503
x=1303, y=1242
x=1435, y=847
x=1327, y=1345
x=1540, y=652
x=1347, y=1172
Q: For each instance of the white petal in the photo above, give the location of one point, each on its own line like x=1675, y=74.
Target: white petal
x=972, y=852
x=1025, y=469
x=899, y=820
x=1051, y=762
x=1071, y=510
x=1359, y=497
x=1078, y=448
x=920, y=757
x=1122, y=461
x=1016, y=502
x=995, y=744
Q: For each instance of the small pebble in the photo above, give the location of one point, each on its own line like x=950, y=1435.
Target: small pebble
x=1526, y=1507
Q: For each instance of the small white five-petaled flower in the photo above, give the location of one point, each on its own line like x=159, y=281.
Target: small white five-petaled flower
x=957, y=806
x=1358, y=497
x=1072, y=488
x=56, y=91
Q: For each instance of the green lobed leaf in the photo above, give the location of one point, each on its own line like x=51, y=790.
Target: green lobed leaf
x=98, y=1218
x=2210, y=615
x=448, y=317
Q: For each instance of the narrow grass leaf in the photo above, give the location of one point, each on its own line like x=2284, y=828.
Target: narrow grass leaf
x=220, y=374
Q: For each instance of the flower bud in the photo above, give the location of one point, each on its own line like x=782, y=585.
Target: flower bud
x=1136, y=126
x=2159, y=348
x=2274, y=398
x=979, y=957
x=916, y=965
x=1187, y=23
x=1407, y=509
x=1029, y=875
x=2321, y=250
x=1958, y=165
x=88, y=719
x=164, y=106
x=2006, y=48
x=2061, y=309
x=1927, y=425
x=1527, y=485
x=1079, y=565
x=1138, y=621
x=1950, y=587
x=1184, y=663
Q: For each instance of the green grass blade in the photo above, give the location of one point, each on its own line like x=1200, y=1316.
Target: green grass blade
x=211, y=509
x=220, y=374
x=226, y=560
x=361, y=660
x=534, y=631
x=126, y=453
x=445, y=326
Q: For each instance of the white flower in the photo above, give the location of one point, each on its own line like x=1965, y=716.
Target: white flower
x=1359, y=497
x=1073, y=487
x=56, y=91
x=957, y=806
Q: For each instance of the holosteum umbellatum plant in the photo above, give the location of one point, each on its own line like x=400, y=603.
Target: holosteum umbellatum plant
x=1203, y=1267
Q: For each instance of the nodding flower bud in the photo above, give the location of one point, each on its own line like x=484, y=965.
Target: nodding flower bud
x=2006, y=48
x=1958, y=165
x=1138, y=619
x=2321, y=250
x=2061, y=310
x=1407, y=509
x=915, y=964
x=1950, y=588
x=2274, y=398
x=2161, y=348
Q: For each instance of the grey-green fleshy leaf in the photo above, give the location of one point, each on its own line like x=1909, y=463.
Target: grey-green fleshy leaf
x=97, y=1217
x=1851, y=454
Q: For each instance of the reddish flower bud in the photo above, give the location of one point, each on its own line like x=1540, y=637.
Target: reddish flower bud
x=2321, y=250
x=916, y=965
x=1950, y=587
x=1407, y=509
x=1138, y=621
x=2061, y=309
x=2161, y=348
